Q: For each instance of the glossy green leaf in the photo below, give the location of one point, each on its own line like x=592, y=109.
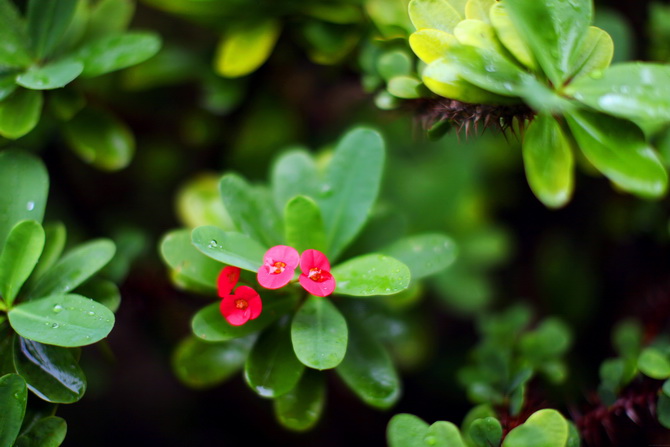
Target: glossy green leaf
x=109, y=17
x=24, y=185
x=394, y=63
x=431, y=44
x=62, y=320
x=370, y=275
x=51, y=372
x=102, y=291
x=229, y=247
x=199, y=203
x=663, y=410
x=13, y=398
x=19, y=256
x=406, y=87
x=272, y=369
x=618, y=149
x=47, y=22
x=303, y=225
x=75, y=267
x=294, y=173
x=368, y=370
x=635, y=90
x=117, y=51
x=209, y=325
x=246, y=47
x=595, y=54
x=7, y=85
x=443, y=434
x=435, y=14
x=548, y=161
x=509, y=36
x=181, y=255
x=201, y=364
x=406, y=430
x=654, y=363
x=478, y=34
x=544, y=428
x=301, y=408
x=319, y=334
x=485, y=432
x=443, y=78
x=13, y=37
x=53, y=75
x=554, y=31
x=55, y=235
x=20, y=113
x=47, y=432
x=479, y=9
x=351, y=185
x=424, y=254
x=251, y=210
x=100, y=139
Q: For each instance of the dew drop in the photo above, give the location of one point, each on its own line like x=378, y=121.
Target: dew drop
x=57, y=308
x=55, y=325
x=213, y=244
x=91, y=313
x=30, y=205
x=490, y=68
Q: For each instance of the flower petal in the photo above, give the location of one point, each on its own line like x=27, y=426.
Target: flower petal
x=253, y=299
x=227, y=280
x=313, y=259
x=233, y=315
x=271, y=280
x=283, y=253
x=324, y=287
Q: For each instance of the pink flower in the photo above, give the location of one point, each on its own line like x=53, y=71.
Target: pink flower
x=241, y=307
x=315, y=276
x=279, y=264
x=227, y=280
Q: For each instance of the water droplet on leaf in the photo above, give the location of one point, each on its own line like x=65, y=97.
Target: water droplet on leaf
x=30, y=206
x=55, y=325
x=57, y=308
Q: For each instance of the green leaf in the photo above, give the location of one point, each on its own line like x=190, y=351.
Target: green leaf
x=509, y=36
x=66, y=103
x=434, y=14
x=19, y=256
x=618, y=149
x=47, y=432
x=394, y=63
x=13, y=398
x=47, y=22
x=319, y=334
x=201, y=364
x=424, y=254
x=114, y=52
x=443, y=434
x=13, y=37
x=20, y=113
x=209, y=325
x=73, y=269
x=251, y=210
x=351, y=186
x=7, y=84
x=102, y=291
x=430, y=44
x=229, y=247
x=370, y=275
x=486, y=432
x=406, y=87
x=272, y=368
x=554, y=31
x=544, y=428
x=108, y=17
x=51, y=372
x=406, y=430
x=100, y=139
x=181, y=255
x=635, y=90
x=367, y=369
x=62, y=320
x=663, y=410
x=654, y=363
x=303, y=225
x=595, y=54
x=301, y=408
x=294, y=173
x=24, y=185
x=55, y=235
x=548, y=161
x=53, y=75
x=245, y=47
x=479, y=9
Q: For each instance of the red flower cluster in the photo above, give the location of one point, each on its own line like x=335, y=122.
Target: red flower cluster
x=244, y=305
x=280, y=262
